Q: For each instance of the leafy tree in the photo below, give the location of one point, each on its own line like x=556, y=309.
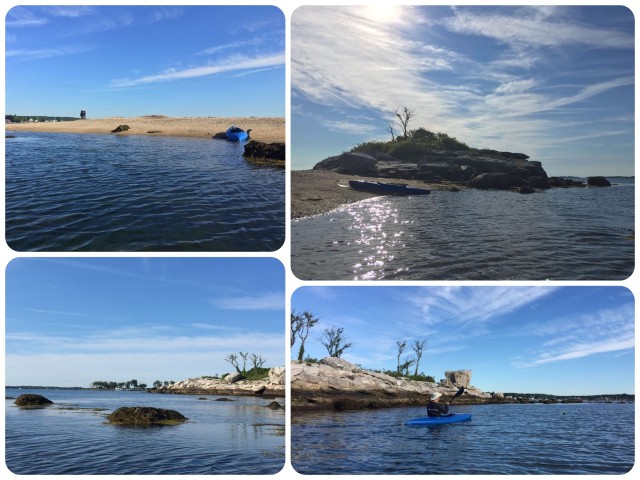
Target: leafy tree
x=157, y=384
x=334, y=342
x=302, y=324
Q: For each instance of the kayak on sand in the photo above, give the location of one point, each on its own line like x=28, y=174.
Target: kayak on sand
x=453, y=418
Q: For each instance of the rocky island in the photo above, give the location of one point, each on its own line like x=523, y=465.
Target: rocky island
x=421, y=159
x=335, y=384
x=231, y=384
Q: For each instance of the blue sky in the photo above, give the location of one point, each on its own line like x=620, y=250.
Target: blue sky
x=70, y=322
x=128, y=61
x=563, y=341
x=555, y=83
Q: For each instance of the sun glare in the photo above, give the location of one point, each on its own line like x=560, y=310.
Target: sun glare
x=381, y=13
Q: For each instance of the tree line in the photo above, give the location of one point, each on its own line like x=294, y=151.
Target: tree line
x=39, y=118
x=335, y=342
x=255, y=372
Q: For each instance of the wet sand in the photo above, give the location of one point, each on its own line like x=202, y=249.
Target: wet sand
x=263, y=129
x=314, y=192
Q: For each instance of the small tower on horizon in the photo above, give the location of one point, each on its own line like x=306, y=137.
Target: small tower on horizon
x=83, y=114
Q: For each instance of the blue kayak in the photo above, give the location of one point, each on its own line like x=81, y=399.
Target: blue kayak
x=236, y=134
x=383, y=188
x=425, y=421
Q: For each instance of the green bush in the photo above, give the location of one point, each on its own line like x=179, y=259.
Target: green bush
x=257, y=373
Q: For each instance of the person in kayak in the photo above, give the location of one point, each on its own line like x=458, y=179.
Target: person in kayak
x=437, y=409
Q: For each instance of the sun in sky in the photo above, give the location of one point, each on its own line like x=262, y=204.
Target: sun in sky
x=554, y=82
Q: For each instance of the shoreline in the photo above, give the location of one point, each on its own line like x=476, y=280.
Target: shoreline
x=263, y=129
x=316, y=192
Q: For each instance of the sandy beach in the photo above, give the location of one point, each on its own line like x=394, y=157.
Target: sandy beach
x=314, y=192
x=263, y=129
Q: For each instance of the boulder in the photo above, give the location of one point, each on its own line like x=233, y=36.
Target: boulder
x=598, y=182
x=275, y=406
x=32, y=399
x=277, y=376
x=457, y=378
x=501, y=181
x=233, y=377
x=564, y=182
x=350, y=164
x=144, y=416
x=271, y=151
x=120, y=128
x=525, y=189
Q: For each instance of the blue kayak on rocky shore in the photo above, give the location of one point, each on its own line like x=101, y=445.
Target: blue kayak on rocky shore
x=236, y=134
x=426, y=421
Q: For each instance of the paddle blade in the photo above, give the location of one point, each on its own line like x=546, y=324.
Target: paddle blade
x=459, y=392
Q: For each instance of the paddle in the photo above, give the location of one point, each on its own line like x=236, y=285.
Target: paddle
x=458, y=393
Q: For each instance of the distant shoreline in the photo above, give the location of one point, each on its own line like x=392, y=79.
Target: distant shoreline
x=263, y=129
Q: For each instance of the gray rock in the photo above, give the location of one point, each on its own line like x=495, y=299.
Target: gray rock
x=145, y=416
x=233, y=377
x=350, y=164
x=501, y=181
x=32, y=399
x=598, y=182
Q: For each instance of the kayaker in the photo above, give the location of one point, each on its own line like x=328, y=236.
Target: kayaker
x=437, y=409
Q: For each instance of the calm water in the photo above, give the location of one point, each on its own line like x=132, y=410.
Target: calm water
x=69, y=192
x=499, y=439
x=238, y=437
x=558, y=234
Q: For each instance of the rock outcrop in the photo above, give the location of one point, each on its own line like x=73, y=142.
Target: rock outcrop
x=32, y=400
x=271, y=151
x=272, y=387
x=456, y=379
x=336, y=384
x=145, y=416
x=476, y=168
x=598, y=182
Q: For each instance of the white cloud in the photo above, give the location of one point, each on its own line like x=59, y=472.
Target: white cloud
x=266, y=301
x=21, y=17
x=231, y=64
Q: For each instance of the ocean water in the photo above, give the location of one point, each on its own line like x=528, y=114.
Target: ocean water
x=70, y=437
x=68, y=192
x=557, y=234
x=500, y=439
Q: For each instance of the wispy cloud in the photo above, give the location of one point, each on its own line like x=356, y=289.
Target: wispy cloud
x=571, y=337
x=22, y=17
x=464, y=305
x=231, y=64
x=536, y=30
x=267, y=301
x=55, y=312
x=160, y=14
x=70, y=11
x=43, y=53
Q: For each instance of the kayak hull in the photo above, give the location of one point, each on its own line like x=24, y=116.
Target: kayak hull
x=236, y=134
x=426, y=421
x=386, y=188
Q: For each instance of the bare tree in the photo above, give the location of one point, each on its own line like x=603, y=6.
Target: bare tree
x=303, y=324
x=244, y=356
x=418, y=347
x=391, y=130
x=402, y=344
x=257, y=361
x=334, y=342
x=232, y=358
x=404, y=117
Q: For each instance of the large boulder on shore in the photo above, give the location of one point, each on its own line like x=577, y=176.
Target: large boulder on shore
x=456, y=378
x=350, y=164
x=233, y=377
x=277, y=376
x=32, y=400
x=145, y=416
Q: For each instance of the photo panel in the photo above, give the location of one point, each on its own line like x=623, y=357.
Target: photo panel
x=462, y=143
x=145, y=366
x=408, y=380
x=145, y=128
